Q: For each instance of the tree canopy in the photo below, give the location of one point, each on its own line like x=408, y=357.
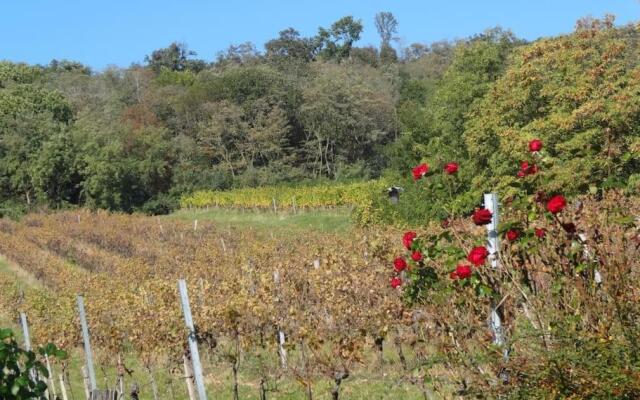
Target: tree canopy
x=320, y=107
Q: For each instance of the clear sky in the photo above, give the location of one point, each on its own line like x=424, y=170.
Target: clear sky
x=118, y=32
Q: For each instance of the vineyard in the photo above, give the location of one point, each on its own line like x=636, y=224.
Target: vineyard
x=359, y=196
x=346, y=331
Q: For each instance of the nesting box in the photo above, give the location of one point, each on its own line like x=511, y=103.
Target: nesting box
x=394, y=194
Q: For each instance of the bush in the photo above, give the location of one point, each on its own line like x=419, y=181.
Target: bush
x=17, y=381
x=161, y=204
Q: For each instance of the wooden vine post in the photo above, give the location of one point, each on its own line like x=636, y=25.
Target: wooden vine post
x=63, y=388
x=188, y=376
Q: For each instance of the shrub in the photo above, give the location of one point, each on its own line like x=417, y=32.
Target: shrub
x=20, y=370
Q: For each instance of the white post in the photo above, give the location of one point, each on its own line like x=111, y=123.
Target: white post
x=282, y=350
x=275, y=209
x=294, y=205
x=25, y=331
x=51, y=379
x=195, y=225
x=493, y=247
x=281, y=338
x=63, y=389
x=597, y=277
x=87, y=345
x=27, y=339
x=193, y=343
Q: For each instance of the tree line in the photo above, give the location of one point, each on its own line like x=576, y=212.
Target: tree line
x=303, y=109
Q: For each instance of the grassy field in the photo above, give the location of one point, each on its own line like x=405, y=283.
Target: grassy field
x=330, y=220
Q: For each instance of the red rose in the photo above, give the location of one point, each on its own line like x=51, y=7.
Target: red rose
x=535, y=145
x=420, y=171
x=478, y=255
x=512, y=235
x=463, y=271
x=453, y=275
x=408, y=238
x=399, y=264
x=527, y=169
x=540, y=233
x=451, y=168
x=395, y=282
x=482, y=216
x=416, y=256
x=556, y=204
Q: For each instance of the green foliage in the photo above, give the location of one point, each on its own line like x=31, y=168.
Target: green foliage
x=17, y=73
x=31, y=116
x=168, y=77
x=175, y=57
x=161, y=204
x=582, y=368
x=123, y=175
x=579, y=95
x=443, y=196
x=337, y=41
x=20, y=370
x=346, y=134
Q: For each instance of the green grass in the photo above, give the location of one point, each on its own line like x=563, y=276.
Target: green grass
x=367, y=381
x=333, y=220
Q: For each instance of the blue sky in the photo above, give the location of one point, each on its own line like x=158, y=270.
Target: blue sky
x=116, y=32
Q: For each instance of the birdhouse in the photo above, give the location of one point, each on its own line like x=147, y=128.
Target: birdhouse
x=394, y=194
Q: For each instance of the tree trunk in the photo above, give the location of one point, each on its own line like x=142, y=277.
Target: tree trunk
x=235, y=367
x=263, y=388
x=307, y=381
x=379, y=342
x=398, y=345
x=120, y=369
x=154, y=386
x=338, y=377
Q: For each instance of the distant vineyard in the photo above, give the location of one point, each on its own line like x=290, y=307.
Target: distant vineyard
x=325, y=195
x=358, y=196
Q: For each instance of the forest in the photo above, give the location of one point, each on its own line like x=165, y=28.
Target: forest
x=307, y=110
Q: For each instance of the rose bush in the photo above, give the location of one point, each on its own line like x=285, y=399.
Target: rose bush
x=536, y=290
